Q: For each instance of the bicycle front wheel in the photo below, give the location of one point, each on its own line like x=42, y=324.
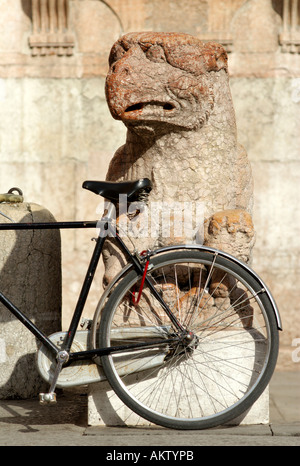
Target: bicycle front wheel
x=211, y=377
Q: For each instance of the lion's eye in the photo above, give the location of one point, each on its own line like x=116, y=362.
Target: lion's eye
x=116, y=55
x=156, y=54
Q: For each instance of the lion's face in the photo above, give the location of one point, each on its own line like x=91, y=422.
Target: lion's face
x=162, y=77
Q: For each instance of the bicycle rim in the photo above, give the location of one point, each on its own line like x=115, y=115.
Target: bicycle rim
x=225, y=366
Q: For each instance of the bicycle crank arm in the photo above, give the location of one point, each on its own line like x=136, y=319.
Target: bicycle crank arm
x=50, y=397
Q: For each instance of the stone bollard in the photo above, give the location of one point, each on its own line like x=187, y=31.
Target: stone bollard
x=30, y=276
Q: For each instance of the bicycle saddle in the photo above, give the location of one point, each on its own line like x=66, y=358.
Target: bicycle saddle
x=135, y=190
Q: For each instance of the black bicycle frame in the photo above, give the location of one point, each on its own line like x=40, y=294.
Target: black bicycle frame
x=105, y=229
x=85, y=288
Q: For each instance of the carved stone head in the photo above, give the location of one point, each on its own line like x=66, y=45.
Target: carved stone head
x=163, y=78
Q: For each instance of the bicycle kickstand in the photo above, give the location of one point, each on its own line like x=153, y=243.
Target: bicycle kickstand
x=50, y=397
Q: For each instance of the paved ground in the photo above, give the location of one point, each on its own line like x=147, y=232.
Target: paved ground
x=26, y=423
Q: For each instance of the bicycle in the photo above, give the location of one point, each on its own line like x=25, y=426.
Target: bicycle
x=186, y=335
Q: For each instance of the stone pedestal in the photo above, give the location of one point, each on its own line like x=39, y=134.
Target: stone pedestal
x=106, y=409
x=30, y=276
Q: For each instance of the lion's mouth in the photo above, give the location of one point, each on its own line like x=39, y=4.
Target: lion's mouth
x=149, y=108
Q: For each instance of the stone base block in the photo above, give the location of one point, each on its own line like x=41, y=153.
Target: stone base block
x=105, y=408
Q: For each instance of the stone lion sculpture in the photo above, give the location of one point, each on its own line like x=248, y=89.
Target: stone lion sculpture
x=172, y=92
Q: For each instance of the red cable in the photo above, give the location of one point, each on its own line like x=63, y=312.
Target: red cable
x=141, y=287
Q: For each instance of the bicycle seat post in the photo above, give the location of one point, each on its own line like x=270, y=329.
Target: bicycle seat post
x=109, y=211
x=108, y=217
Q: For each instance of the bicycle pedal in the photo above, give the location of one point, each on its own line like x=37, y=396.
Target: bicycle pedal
x=47, y=398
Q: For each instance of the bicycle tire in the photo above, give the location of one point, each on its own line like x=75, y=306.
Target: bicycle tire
x=227, y=366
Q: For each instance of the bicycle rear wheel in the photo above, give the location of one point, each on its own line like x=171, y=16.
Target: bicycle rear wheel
x=216, y=374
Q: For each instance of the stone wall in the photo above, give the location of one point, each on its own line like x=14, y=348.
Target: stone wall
x=272, y=140
x=56, y=130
